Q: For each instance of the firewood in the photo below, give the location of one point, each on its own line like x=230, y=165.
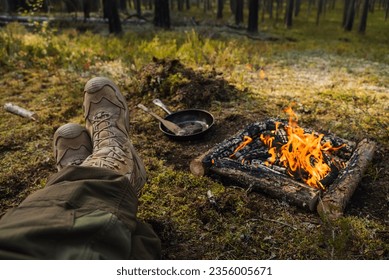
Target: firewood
x=15, y=109
x=197, y=167
x=335, y=200
x=266, y=180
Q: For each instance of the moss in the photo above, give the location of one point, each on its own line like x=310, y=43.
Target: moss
x=352, y=237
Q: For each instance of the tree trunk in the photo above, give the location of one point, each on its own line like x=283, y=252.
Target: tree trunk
x=239, y=12
x=319, y=11
x=262, y=3
x=297, y=8
x=289, y=13
x=350, y=16
x=87, y=9
x=220, y=6
x=278, y=9
x=253, y=16
x=362, y=24
x=162, y=13
x=111, y=8
x=345, y=12
x=233, y=4
x=180, y=5
x=207, y=5
x=123, y=5
x=387, y=10
x=70, y=6
x=270, y=8
x=138, y=7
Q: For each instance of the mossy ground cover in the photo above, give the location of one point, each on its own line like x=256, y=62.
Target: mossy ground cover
x=338, y=82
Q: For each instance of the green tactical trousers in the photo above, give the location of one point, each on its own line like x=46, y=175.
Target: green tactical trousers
x=82, y=213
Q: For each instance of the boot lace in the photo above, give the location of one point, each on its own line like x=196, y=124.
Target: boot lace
x=104, y=138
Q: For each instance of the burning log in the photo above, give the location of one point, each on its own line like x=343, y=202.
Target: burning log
x=335, y=200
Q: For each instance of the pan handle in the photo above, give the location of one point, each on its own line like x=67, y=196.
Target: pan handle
x=159, y=103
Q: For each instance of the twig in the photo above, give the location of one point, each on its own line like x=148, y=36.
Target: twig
x=274, y=221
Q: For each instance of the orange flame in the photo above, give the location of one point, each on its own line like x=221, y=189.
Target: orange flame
x=302, y=154
x=246, y=140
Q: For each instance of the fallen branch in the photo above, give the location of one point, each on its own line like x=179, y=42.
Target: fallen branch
x=14, y=109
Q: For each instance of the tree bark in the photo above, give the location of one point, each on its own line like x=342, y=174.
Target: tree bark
x=363, y=22
x=319, y=11
x=270, y=8
x=220, y=6
x=348, y=26
x=253, y=16
x=239, y=12
x=111, y=9
x=297, y=8
x=180, y=5
x=345, y=11
x=289, y=13
x=386, y=10
x=278, y=9
x=233, y=6
x=138, y=7
x=207, y=5
x=162, y=13
x=87, y=9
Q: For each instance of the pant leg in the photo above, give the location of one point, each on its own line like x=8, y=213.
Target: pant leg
x=82, y=213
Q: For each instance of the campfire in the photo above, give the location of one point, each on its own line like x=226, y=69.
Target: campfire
x=312, y=170
x=302, y=155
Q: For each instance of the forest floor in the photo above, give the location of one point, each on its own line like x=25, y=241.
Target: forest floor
x=337, y=85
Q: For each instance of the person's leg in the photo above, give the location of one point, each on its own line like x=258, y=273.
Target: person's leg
x=87, y=211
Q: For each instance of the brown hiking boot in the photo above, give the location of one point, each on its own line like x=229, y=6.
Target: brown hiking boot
x=71, y=145
x=107, y=120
